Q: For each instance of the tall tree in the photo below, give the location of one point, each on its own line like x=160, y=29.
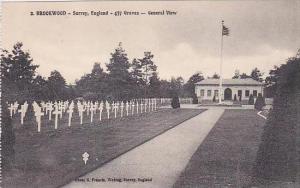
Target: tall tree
x=154, y=86
x=119, y=77
x=148, y=66
x=57, y=86
x=138, y=82
x=215, y=76
x=18, y=73
x=256, y=75
x=190, y=84
x=273, y=76
x=176, y=86
x=40, y=88
x=142, y=71
x=236, y=74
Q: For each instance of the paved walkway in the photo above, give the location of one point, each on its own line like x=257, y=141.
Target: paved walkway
x=161, y=159
x=198, y=106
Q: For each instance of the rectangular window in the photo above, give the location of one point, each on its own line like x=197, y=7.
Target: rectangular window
x=209, y=93
x=247, y=93
x=216, y=92
x=202, y=92
x=254, y=93
x=240, y=92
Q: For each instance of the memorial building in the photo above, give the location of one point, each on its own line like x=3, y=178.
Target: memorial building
x=241, y=88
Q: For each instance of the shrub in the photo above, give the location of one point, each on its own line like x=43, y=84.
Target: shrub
x=278, y=157
x=251, y=100
x=259, y=103
x=214, y=99
x=195, y=99
x=234, y=97
x=175, y=102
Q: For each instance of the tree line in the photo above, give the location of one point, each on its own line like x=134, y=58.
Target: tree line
x=123, y=80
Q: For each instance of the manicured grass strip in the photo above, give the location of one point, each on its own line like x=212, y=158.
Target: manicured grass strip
x=227, y=155
x=54, y=158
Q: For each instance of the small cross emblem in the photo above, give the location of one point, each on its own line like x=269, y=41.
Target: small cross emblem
x=85, y=157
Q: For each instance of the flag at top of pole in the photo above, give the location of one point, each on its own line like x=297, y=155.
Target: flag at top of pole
x=225, y=32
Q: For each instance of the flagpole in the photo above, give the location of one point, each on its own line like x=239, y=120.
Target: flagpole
x=221, y=62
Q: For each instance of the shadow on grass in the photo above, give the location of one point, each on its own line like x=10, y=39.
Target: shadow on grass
x=54, y=158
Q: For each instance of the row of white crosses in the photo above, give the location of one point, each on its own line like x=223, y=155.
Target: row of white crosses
x=50, y=108
x=131, y=107
x=91, y=108
x=13, y=108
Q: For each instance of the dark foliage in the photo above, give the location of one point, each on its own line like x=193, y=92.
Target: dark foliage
x=7, y=140
x=277, y=159
x=189, y=87
x=21, y=83
x=195, y=99
x=251, y=100
x=260, y=102
x=175, y=102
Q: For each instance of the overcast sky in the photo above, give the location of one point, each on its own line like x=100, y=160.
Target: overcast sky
x=262, y=34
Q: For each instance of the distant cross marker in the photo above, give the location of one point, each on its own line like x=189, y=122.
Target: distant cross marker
x=132, y=108
x=11, y=108
x=114, y=107
x=93, y=108
x=81, y=109
x=145, y=106
x=122, y=108
x=70, y=112
x=107, y=105
x=127, y=106
x=142, y=107
x=100, y=109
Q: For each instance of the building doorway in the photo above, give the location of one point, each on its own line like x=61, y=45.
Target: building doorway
x=228, y=94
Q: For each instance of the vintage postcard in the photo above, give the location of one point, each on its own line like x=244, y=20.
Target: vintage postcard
x=150, y=94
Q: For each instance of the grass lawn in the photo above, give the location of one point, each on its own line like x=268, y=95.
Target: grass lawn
x=54, y=157
x=227, y=155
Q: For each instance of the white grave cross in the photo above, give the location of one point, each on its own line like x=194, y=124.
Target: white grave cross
x=132, y=108
x=70, y=112
x=11, y=108
x=23, y=111
x=56, y=113
x=107, y=105
x=100, y=109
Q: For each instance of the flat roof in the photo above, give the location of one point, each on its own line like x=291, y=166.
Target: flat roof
x=238, y=82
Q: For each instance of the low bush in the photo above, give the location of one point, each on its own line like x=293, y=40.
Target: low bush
x=195, y=99
x=175, y=102
x=251, y=100
x=259, y=103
